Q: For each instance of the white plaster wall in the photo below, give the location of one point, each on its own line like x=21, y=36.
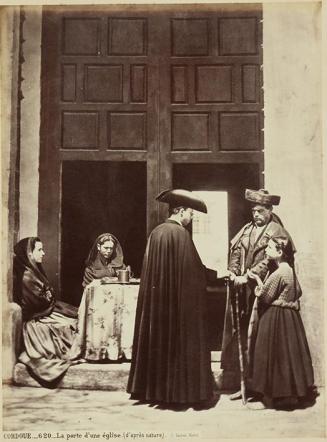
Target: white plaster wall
x=293, y=147
x=6, y=23
x=29, y=157
x=9, y=18
x=30, y=122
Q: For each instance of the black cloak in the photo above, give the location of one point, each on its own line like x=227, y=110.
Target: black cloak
x=32, y=290
x=171, y=356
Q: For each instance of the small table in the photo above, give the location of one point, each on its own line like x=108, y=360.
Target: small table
x=106, y=318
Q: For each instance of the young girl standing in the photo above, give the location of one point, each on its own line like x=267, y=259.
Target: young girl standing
x=282, y=366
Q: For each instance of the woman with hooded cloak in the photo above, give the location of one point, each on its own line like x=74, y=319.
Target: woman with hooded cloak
x=103, y=306
x=48, y=324
x=104, y=260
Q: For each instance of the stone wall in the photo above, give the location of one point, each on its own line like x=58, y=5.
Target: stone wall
x=9, y=25
x=20, y=147
x=293, y=147
x=30, y=122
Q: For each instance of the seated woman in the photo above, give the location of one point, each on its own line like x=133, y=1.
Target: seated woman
x=48, y=324
x=105, y=315
x=105, y=258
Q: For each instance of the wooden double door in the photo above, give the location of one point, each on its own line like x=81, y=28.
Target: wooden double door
x=136, y=100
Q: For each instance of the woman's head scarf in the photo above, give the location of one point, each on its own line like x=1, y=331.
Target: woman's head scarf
x=116, y=259
x=24, y=256
x=31, y=286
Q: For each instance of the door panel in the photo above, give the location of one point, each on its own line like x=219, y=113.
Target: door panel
x=99, y=103
x=164, y=85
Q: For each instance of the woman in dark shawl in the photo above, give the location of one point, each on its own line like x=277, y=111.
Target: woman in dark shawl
x=48, y=324
x=99, y=335
x=105, y=258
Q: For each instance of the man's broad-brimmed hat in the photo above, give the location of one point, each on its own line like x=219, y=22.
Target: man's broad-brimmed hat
x=261, y=196
x=181, y=197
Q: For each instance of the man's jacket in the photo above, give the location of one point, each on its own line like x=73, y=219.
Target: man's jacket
x=244, y=257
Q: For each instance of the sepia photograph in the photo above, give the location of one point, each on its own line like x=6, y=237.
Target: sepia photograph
x=163, y=225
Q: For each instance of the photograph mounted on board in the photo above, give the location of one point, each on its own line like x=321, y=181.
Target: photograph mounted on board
x=162, y=216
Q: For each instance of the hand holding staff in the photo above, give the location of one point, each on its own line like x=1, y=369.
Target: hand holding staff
x=239, y=340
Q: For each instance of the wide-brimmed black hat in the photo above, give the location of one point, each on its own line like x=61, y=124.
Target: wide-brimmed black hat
x=261, y=196
x=181, y=197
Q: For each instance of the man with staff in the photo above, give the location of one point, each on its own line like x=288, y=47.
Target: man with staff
x=247, y=257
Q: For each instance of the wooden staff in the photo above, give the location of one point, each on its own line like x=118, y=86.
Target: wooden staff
x=240, y=350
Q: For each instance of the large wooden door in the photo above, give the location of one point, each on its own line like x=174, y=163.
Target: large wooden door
x=160, y=85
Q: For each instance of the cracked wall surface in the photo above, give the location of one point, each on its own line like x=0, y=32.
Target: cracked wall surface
x=293, y=148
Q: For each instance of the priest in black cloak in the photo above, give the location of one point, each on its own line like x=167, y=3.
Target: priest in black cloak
x=171, y=356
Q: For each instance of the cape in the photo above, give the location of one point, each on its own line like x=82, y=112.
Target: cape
x=32, y=290
x=171, y=357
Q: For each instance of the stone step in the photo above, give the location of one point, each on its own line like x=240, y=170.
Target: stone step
x=110, y=377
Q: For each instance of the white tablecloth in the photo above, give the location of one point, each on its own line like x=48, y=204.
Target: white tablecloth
x=106, y=319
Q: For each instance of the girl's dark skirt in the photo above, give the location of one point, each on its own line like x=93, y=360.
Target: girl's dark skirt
x=282, y=362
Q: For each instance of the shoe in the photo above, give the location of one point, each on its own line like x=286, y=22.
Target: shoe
x=255, y=406
x=78, y=361
x=254, y=397
x=235, y=396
